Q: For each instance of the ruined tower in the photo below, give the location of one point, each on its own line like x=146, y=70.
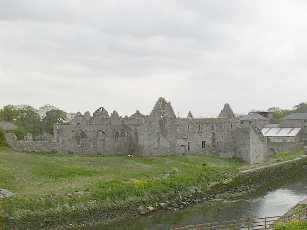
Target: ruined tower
x=227, y=112
x=162, y=109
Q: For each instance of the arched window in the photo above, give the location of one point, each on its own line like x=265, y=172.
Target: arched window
x=116, y=136
x=122, y=133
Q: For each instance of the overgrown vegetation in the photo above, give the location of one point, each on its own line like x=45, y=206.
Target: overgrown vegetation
x=284, y=156
x=279, y=114
x=2, y=138
x=28, y=120
x=292, y=225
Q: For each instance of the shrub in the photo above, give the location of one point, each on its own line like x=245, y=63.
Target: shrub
x=2, y=138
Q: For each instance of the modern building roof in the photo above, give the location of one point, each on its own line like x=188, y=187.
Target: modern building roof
x=296, y=116
x=252, y=116
x=280, y=132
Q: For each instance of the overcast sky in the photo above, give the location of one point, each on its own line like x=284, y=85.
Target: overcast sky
x=124, y=54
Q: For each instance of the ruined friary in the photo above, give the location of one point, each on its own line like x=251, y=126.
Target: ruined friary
x=250, y=137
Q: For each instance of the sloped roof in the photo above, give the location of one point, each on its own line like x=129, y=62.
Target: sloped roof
x=280, y=132
x=252, y=116
x=272, y=126
x=296, y=116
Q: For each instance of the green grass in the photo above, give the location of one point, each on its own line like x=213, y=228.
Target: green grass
x=284, y=156
x=58, y=183
x=60, y=188
x=293, y=225
x=276, y=158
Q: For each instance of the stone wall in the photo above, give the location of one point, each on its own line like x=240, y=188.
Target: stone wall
x=30, y=145
x=159, y=133
x=258, y=146
x=206, y=135
x=275, y=147
x=250, y=145
x=261, y=179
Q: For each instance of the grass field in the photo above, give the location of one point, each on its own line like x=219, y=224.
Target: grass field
x=49, y=184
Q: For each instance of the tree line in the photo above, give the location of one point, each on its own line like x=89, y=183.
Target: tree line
x=279, y=114
x=28, y=120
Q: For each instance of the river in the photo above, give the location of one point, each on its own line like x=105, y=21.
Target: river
x=272, y=203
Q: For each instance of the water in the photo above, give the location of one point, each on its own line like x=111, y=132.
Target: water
x=273, y=203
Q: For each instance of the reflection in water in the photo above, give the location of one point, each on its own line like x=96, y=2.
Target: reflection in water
x=273, y=203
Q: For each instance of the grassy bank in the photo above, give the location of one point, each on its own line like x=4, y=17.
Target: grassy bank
x=292, y=225
x=296, y=218
x=55, y=188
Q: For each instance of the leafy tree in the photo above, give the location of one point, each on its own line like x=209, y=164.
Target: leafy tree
x=274, y=109
x=53, y=117
x=280, y=115
x=28, y=121
x=300, y=108
x=9, y=113
x=21, y=132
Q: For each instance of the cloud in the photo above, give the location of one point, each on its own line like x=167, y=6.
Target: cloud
x=126, y=53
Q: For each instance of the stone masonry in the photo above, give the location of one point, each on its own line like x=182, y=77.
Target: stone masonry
x=159, y=133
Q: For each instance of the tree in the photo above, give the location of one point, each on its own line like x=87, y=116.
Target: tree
x=9, y=113
x=53, y=117
x=274, y=109
x=300, y=108
x=28, y=121
x=278, y=116
x=26, y=118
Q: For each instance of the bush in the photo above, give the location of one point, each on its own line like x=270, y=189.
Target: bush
x=2, y=138
x=20, y=133
x=283, y=156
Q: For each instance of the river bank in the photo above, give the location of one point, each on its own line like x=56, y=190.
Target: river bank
x=53, y=190
x=295, y=218
x=227, y=196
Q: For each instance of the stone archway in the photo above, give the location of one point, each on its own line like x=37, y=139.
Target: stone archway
x=79, y=137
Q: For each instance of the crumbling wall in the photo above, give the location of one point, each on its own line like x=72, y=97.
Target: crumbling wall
x=31, y=145
x=258, y=146
x=160, y=133
x=242, y=143
x=207, y=135
x=250, y=145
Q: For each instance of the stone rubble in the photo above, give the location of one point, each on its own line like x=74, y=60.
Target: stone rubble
x=5, y=194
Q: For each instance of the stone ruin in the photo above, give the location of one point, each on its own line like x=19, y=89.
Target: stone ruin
x=159, y=133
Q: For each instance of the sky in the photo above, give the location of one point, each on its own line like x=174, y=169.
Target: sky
x=125, y=54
